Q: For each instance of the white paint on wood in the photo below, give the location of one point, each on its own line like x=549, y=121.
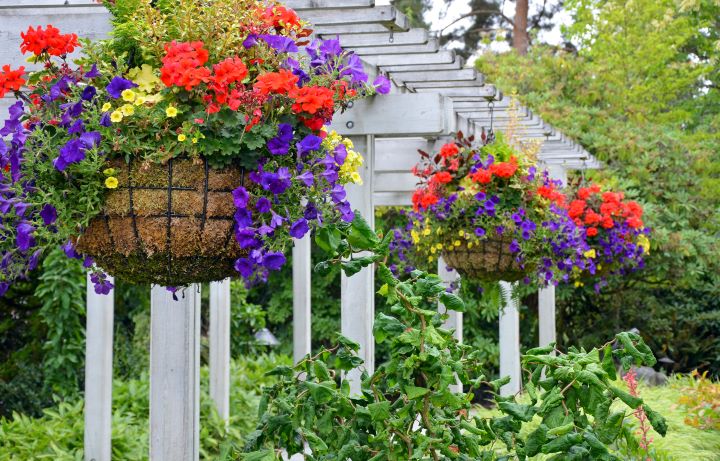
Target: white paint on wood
x=302, y=301
x=394, y=114
x=98, y=374
x=175, y=375
x=219, y=346
x=510, y=341
x=455, y=319
x=358, y=291
x=546, y=314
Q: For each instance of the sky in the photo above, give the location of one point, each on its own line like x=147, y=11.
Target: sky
x=442, y=15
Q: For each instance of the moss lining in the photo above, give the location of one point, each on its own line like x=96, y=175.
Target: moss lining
x=488, y=260
x=131, y=242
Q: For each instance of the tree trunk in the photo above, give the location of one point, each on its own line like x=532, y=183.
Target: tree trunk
x=521, y=39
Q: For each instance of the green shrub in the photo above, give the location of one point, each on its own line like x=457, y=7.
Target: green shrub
x=58, y=434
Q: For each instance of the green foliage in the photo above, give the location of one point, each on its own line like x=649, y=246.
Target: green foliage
x=62, y=291
x=407, y=409
x=701, y=399
x=633, y=98
x=58, y=434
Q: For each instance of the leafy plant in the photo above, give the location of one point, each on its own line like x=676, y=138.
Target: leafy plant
x=407, y=409
x=701, y=399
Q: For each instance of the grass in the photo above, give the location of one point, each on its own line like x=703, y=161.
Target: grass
x=682, y=442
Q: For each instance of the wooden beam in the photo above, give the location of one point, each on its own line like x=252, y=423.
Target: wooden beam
x=403, y=114
x=302, y=300
x=219, y=346
x=175, y=375
x=438, y=76
x=510, y=341
x=98, y=374
x=386, y=38
x=458, y=63
x=440, y=57
x=476, y=82
x=388, y=16
x=300, y=5
x=485, y=91
x=431, y=46
x=358, y=291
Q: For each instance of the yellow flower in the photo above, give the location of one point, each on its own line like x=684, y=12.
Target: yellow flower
x=144, y=77
x=116, y=116
x=426, y=231
x=171, y=111
x=140, y=100
x=182, y=138
x=106, y=107
x=590, y=254
x=457, y=243
x=128, y=95
x=470, y=245
x=461, y=233
x=644, y=243
x=127, y=110
x=579, y=284
x=109, y=172
x=194, y=140
x=415, y=236
x=111, y=182
x=356, y=178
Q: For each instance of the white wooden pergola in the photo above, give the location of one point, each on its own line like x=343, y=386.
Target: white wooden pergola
x=433, y=97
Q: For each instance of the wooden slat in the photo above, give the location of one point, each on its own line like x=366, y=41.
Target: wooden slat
x=403, y=114
x=478, y=81
x=388, y=16
x=395, y=182
x=219, y=346
x=411, y=37
x=459, y=93
x=300, y=5
x=393, y=198
x=457, y=64
x=510, y=341
x=431, y=46
x=436, y=75
x=302, y=306
x=440, y=57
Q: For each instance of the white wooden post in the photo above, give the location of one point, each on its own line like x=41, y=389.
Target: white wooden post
x=546, y=296
x=98, y=374
x=358, y=291
x=175, y=375
x=302, y=311
x=219, y=346
x=455, y=321
x=509, y=340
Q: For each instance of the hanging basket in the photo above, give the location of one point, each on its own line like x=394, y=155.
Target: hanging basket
x=170, y=225
x=488, y=260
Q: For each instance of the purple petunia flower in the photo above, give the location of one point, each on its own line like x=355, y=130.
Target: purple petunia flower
x=69, y=250
x=263, y=205
x=280, y=145
x=246, y=239
x=77, y=127
x=382, y=84
x=299, y=228
x=276, y=220
x=310, y=143
x=338, y=193
x=244, y=266
x=306, y=178
x=250, y=41
x=340, y=154
x=243, y=218
x=24, y=238
x=105, y=120
x=240, y=197
x=273, y=261
x=48, y=214
x=118, y=85
x=514, y=247
x=354, y=67
x=93, y=72
x=89, y=93
x=279, y=43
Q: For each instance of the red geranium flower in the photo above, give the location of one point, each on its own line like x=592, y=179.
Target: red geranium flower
x=50, y=40
x=11, y=80
x=482, y=176
x=505, y=169
x=183, y=65
x=229, y=71
x=577, y=208
x=423, y=198
x=449, y=150
x=442, y=177
x=276, y=82
x=313, y=99
x=592, y=232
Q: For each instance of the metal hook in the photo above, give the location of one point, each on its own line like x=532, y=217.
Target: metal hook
x=491, y=131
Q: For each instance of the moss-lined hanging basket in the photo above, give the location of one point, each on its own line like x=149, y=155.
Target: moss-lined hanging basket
x=170, y=225
x=487, y=260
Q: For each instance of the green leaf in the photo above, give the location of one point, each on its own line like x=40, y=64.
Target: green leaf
x=657, y=420
x=452, y=302
x=414, y=392
x=630, y=400
x=328, y=238
x=536, y=440
x=315, y=442
x=379, y=411
x=517, y=410
x=608, y=364
x=562, y=444
x=322, y=393
x=361, y=235
x=260, y=455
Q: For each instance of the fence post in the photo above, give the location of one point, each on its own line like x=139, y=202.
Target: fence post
x=510, y=340
x=98, y=374
x=219, y=346
x=455, y=321
x=302, y=309
x=175, y=374
x=358, y=291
